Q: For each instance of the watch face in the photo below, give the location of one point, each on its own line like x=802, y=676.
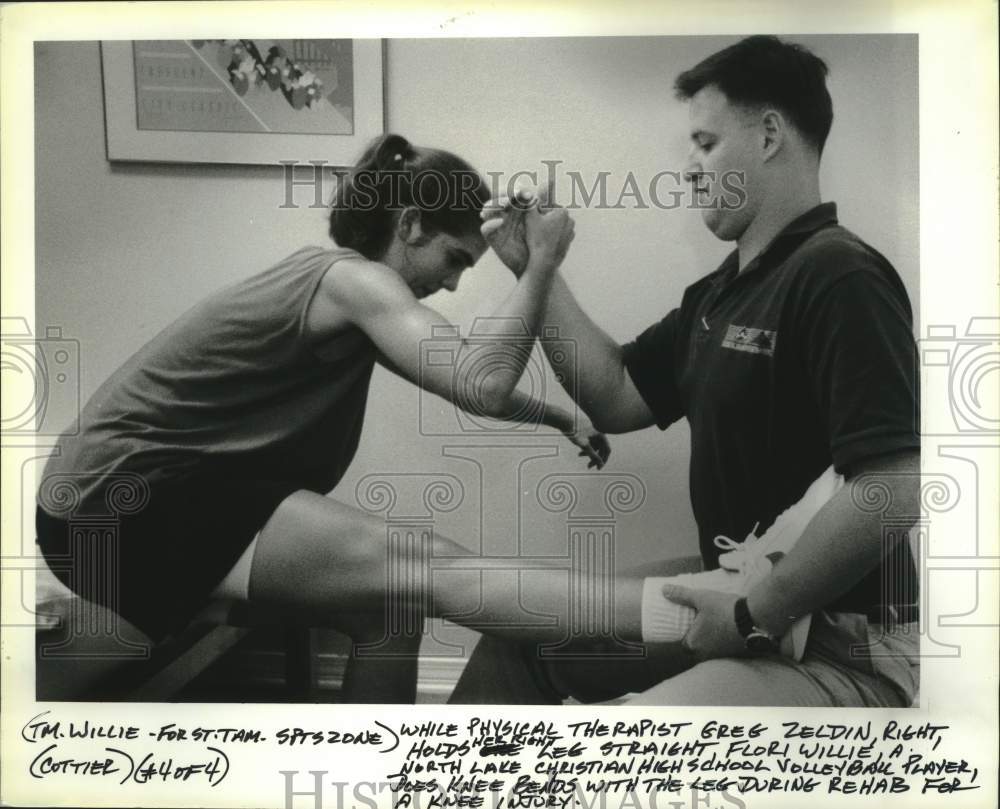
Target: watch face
x=760, y=643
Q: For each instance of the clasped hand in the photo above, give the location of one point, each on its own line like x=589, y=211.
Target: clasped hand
x=713, y=633
x=526, y=227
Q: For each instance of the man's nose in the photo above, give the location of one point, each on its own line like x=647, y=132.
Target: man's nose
x=692, y=169
x=451, y=282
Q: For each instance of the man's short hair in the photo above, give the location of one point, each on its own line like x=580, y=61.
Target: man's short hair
x=765, y=70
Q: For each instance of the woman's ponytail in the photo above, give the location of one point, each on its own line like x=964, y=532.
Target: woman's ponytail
x=391, y=175
x=392, y=152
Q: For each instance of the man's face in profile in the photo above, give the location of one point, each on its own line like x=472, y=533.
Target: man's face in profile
x=724, y=156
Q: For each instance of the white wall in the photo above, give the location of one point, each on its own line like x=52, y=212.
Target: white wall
x=123, y=249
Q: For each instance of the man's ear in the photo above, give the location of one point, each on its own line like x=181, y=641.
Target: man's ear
x=408, y=226
x=774, y=129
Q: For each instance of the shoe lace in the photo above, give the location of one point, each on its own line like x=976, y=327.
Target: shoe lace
x=738, y=555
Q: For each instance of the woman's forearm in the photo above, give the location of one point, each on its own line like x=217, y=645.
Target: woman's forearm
x=487, y=370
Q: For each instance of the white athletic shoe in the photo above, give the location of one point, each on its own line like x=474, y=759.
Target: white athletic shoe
x=741, y=567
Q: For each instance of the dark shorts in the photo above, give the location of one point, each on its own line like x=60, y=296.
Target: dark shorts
x=157, y=568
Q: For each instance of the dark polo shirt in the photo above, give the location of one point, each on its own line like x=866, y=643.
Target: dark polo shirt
x=804, y=359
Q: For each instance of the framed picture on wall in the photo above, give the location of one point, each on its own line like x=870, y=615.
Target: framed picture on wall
x=242, y=100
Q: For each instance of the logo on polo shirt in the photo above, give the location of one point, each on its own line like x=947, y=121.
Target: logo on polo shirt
x=746, y=338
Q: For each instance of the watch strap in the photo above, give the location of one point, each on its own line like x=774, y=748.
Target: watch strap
x=756, y=639
x=741, y=614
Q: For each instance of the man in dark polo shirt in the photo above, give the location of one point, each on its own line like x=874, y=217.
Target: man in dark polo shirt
x=795, y=354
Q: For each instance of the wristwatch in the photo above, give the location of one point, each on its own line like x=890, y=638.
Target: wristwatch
x=757, y=640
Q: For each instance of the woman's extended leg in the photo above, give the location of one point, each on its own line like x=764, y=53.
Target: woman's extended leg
x=502, y=672
x=335, y=563
x=321, y=557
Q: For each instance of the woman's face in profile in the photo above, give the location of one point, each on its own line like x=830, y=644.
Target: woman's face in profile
x=438, y=261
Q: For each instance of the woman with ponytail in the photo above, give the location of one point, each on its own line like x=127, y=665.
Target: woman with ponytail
x=229, y=428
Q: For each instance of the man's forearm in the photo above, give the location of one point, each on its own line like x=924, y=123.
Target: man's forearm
x=839, y=547
x=594, y=359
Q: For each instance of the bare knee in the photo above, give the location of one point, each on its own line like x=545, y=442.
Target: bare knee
x=316, y=552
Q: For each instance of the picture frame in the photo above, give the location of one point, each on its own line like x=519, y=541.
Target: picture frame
x=259, y=102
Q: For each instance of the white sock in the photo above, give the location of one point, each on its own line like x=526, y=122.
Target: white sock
x=662, y=620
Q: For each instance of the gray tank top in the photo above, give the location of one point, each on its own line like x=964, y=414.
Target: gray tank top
x=234, y=386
